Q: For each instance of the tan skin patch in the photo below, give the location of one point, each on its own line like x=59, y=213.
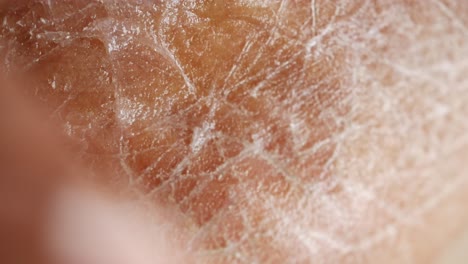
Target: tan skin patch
x=233, y=112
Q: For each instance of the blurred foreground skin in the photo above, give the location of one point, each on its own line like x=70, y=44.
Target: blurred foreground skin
x=49, y=213
x=239, y=131
x=88, y=228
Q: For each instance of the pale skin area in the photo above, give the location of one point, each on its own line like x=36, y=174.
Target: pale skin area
x=358, y=152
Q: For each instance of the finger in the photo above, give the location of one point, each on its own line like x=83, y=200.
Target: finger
x=31, y=167
x=50, y=214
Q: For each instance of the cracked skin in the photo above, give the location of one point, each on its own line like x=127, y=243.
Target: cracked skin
x=200, y=105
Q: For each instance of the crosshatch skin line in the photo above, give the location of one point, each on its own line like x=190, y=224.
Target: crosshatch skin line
x=203, y=105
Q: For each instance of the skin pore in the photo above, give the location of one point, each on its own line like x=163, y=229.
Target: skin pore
x=272, y=131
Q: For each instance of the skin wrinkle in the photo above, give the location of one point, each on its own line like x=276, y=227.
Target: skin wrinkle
x=284, y=130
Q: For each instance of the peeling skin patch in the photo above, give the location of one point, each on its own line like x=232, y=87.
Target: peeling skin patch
x=201, y=136
x=272, y=126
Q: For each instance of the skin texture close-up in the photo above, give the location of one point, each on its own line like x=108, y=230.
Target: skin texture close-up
x=266, y=131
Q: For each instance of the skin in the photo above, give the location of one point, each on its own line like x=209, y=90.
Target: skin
x=283, y=132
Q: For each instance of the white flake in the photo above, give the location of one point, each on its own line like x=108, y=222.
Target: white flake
x=201, y=135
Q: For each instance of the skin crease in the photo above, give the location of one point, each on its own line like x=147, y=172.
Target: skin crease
x=276, y=132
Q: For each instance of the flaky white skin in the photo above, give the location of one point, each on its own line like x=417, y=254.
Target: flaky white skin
x=281, y=131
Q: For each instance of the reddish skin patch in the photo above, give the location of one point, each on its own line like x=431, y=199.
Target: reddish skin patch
x=235, y=72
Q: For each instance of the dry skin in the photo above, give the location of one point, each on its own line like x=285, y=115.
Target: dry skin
x=280, y=131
